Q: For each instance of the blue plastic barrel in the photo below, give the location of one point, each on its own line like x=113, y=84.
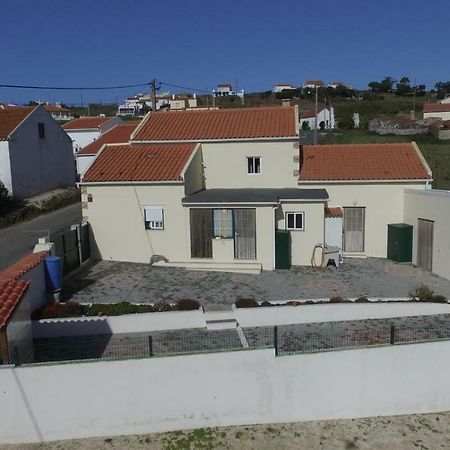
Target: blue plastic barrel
x=53, y=272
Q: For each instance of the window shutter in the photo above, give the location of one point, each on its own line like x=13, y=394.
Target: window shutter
x=153, y=214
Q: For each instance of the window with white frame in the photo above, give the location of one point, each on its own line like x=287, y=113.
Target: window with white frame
x=295, y=221
x=223, y=223
x=154, y=217
x=253, y=165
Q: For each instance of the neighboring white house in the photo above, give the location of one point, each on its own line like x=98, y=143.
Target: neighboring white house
x=35, y=152
x=85, y=130
x=325, y=119
x=241, y=180
x=312, y=84
x=278, y=87
x=224, y=89
x=119, y=134
x=58, y=112
x=445, y=100
x=437, y=111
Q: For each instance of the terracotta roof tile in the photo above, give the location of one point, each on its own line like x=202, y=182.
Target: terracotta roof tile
x=310, y=114
x=55, y=108
x=11, y=292
x=333, y=212
x=22, y=266
x=436, y=107
x=139, y=162
x=10, y=118
x=85, y=123
x=218, y=124
x=361, y=162
x=117, y=135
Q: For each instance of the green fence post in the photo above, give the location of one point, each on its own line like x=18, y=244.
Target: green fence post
x=150, y=346
x=392, y=335
x=275, y=339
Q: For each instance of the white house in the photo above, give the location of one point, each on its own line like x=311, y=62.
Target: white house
x=233, y=190
x=325, y=119
x=35, y=152
x=85, y=130
x=116, y=135
x=437, y=111
x=224, y=89
x=312, y=84
x=278, y=87
x=58, y=112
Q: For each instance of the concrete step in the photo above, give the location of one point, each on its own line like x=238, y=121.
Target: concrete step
x=220, y=320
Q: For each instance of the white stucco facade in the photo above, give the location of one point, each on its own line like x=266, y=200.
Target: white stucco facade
x=431, y=205
x=326, y=115
x=37, y=164
x=438, y=115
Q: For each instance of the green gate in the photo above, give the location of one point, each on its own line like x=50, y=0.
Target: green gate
x=72, y=246
x=282, y=249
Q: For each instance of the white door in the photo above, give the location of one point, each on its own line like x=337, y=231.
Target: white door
x=353, y=232
x=425, y=233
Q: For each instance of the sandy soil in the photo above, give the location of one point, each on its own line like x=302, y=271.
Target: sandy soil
x=427, y=431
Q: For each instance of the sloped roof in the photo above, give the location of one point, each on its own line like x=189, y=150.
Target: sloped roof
x=55, y=108
x=11, y=292
x=243, y=123
x=86, y=123
x=398, y=161
x=117, y=135
x=140, y=162
x=22, y=266
x=436, y=107
x=311, y=114
x=11, y=118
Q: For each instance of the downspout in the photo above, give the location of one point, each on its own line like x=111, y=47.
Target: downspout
x=4, y=346
x=273, y=236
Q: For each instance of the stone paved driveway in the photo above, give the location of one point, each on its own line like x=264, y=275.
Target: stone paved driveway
x=112, y=282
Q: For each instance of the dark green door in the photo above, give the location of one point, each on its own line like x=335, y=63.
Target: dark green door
x=282, y=249
x=399, y=246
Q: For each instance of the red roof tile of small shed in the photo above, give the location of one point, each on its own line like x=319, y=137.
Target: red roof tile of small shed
x=140, y=162
x=243, y=123
x=333, y=212
x=436, y=107
x=11, y=292
x=117, y=135
x=86, y=123
x=22, y=266
x=361, y=162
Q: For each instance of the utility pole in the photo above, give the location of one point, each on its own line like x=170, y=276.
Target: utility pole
x=315, y=117
x=154, y=89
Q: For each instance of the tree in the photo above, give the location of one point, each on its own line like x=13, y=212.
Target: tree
x=322, y=125
x=442, y=88
x=305, y=126
x=5, y=197
x=385, y=85
x=403, y=87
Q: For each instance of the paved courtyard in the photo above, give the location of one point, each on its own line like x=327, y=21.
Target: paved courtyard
x=113, y=282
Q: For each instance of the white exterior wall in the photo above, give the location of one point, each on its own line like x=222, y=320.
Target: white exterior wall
x=326, y=115
x=37, y=291
x=226, y=164
x=116, y=216
x=431, y=205
x=383, y=203
x=83, y=162
x=303, y=242
x=39, y=165
x=81, y=138
x=233, y=388
x=445, y=115
x=19, y=333
x=5, y=166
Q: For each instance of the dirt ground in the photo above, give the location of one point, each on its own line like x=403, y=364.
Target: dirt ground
x=426, y=431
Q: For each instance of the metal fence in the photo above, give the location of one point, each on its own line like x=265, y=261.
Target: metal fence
x=72, y=245
x=284, y=339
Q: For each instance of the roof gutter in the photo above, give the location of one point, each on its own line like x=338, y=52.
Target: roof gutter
x=390, y=181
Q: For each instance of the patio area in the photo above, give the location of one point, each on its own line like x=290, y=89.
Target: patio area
x=113, y=282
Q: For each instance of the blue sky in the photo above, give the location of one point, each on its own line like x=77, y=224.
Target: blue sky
x=204, y=42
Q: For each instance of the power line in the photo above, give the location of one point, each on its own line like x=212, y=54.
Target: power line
x=71, y=88
x=184, y=87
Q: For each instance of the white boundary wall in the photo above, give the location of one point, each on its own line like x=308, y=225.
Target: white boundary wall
x=285, y=315
x=160, y=394
x=128, y=323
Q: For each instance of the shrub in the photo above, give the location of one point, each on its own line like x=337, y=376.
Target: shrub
x=293, y=303
x=60, y=310
x=187, y=304
x=362, y=300
x=246, y=302
x=336, y=300
x=439, y=299
x=266, y=303
x=161, y=306
x=117, y=309
x=422, y=293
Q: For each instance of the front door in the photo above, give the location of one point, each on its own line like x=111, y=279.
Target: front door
x=245, y=234
x=201, y=233
x=425, y=244
x=353, y=232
